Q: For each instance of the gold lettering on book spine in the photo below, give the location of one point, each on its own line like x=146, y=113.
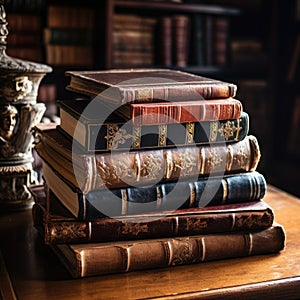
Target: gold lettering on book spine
x=242, y=158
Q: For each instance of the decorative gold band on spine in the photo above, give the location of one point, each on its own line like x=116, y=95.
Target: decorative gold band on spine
x=162, y=135
x=136, y=132
x=124, y=201
x=225, y=190
x=190, y=131
x=213, y=131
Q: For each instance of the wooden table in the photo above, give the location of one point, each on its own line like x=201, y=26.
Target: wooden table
x=29, y=270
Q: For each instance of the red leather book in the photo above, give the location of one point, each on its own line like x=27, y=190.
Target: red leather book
x=60, y=226
x=181, y=111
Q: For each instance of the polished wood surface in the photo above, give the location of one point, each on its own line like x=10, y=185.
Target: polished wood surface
x=29, y=270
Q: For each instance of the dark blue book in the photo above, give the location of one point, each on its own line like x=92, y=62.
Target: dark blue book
x=202, y=192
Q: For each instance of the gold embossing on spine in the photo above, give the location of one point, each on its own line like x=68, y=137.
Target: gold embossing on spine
x=230, y=158
x=112, y=129
x=190, y=131
x=124, y=201
x=144, y=95
x=192, y=194
x=213, y=131
x=136, y=132
x=227, y=130
x=162, y=132
x=225, y=191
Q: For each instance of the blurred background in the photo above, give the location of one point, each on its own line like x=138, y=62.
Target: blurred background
x=252, y=43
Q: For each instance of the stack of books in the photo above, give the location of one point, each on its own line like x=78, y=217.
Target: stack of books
x=154, y=169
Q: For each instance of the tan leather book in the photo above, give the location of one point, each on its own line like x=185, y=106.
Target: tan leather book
x=90, y=259
x=118, y=169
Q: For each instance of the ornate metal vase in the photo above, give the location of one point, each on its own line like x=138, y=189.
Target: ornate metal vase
x=19, y=112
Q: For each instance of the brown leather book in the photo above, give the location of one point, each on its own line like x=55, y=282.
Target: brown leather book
x=181, y=111
x=146, y=85
x=59, y=226
x=118, y=169
x=90, y=259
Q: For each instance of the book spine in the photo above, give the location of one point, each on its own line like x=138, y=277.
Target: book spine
x=237, y=188
x=178, y=92
x=110, y=229
x=181, y=38
x=116, y=136
x=147, y=254
x=176, y=112
x=150, y=166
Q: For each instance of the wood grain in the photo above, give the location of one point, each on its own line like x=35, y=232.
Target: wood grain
x=36, y=273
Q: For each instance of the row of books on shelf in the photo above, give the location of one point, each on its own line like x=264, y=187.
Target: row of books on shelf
x=114, y=207
x=67, y=38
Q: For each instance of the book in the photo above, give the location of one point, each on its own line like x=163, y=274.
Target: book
x=90, y=259
x=59, y=226
x=98, y=129
x=120, y=86
x=181, y=38
x=116, y=169
x=207, y=191
x=180, y=111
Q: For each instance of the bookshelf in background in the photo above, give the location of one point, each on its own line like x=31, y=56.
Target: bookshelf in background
x=255, y=46
x=24, y=19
